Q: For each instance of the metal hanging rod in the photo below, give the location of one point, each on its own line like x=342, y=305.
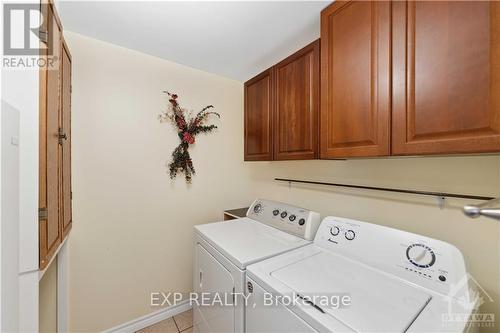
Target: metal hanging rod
x=428, y=193
x=486, y=209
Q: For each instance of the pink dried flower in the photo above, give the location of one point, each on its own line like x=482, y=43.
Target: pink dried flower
x=188, y=138
x=181, y=123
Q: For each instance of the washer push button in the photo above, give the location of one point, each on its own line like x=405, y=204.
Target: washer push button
x=349, y=235
x=334, y=230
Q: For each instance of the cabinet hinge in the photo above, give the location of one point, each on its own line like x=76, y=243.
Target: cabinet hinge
x=43, y=214
x=43, y=36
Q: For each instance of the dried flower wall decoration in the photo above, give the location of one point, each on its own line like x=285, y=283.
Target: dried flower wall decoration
x=187, y=129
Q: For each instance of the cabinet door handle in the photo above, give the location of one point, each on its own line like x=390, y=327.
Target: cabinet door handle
x=62, y=136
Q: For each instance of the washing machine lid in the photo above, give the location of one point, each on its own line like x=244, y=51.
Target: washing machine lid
x=379, y=302
x=245, y=241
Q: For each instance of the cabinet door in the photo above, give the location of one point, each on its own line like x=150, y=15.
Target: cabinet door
x=297, y=105
x=355, y=79
x=446, y=68
x=258, y=117
x=65, y=181
x=49, y=230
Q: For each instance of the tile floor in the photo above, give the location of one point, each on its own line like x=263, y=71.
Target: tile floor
x=183, y=322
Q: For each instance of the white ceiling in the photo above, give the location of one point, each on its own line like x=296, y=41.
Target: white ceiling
x=231, y=38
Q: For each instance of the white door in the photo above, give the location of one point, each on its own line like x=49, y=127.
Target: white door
x=216, y=283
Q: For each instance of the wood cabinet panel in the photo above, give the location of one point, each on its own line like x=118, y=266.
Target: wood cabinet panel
x=66, y=143
x=49, y=229
x=297, y=105
x=55, y=139
x=446, y=72
x=258, y=117
x=355, y=79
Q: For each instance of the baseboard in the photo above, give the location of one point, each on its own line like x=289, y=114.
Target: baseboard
x=150, y=319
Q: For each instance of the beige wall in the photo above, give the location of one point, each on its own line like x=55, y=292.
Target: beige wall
x=132, y=228
x=48, y=300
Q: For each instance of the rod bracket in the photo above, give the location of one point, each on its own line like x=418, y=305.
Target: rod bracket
x=441, y=201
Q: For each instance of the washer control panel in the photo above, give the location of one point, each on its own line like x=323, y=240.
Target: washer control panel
x=342, y=232
x=421, y=260
x=292, y=219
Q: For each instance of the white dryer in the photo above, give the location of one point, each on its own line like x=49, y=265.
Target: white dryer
x=360, y=277
x=223, y=250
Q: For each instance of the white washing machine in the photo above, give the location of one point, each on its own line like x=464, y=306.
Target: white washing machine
x=223, y=250
x=396, y=282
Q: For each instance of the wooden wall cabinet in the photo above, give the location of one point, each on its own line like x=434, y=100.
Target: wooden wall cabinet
x=442, y=59
x=355, y=79
x=55, y=142
x=296, y=105
x=259, y=117
x=281, y=109
x=446, y=77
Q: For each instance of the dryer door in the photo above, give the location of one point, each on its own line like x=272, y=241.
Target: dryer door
x=214, y=287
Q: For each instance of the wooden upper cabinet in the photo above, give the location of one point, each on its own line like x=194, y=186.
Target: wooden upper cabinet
x=297, y=105
x=282, y=109
x=55, y=140
x=258, y=117
x=65, y=142
x=446, y=77
x=355, y=79
x=49, y=191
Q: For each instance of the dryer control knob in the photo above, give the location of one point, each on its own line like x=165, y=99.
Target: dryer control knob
x=257, y=208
